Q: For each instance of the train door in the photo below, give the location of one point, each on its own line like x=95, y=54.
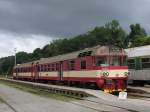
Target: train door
x=37, y=71
x=32, y=71
x=15, y=72
x=61, y=71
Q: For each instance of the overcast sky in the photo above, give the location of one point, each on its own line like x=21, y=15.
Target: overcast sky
x=28, y=24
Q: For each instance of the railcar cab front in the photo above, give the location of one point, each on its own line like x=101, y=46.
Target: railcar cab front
x=111, y=65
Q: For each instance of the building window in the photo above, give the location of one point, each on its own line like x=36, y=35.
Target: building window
x=145, y=63
x=131, y=64
x=72, y=65
x=83, y=64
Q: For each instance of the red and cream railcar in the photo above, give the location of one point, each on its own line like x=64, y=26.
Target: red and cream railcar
x=102, y=65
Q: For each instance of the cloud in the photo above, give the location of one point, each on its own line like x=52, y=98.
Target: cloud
x=27, y=43
x=66, y=18
x=31, y=23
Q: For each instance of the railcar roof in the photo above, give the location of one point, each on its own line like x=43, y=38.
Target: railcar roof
x=142, y=51
x=28, y=64
x=97, y=50
x=68, y=56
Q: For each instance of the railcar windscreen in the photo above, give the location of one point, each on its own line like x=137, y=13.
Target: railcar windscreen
x=111, y=61
x=118, y=61
x=115, y=61
x=101, y=61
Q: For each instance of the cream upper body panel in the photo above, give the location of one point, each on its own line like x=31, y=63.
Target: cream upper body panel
x=48, y=74
x=96, y=73
x=116, y=73
x=91, y=73
x=23, y=74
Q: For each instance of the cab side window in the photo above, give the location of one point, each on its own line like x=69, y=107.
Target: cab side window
x=72, y=65
x=83, y=64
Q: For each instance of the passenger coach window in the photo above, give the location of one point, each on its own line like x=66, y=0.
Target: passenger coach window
x=83, y=64
x=56, y=66
x=38, y=68
x=45, y=68
x=145, y=62
x=49, y=67
x=53, y=67
x=131, y=63
x=19, y=69
x=72, y=65
x=42, y=69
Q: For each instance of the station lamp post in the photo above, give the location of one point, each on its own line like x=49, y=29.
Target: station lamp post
x=15, y=49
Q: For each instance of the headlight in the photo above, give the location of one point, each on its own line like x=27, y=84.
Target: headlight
x=105, y=74
x=126, y=73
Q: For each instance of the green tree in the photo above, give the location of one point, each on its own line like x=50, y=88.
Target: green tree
x=37, y=53
x=22, y=57
x=109, y=34
x=137, y=36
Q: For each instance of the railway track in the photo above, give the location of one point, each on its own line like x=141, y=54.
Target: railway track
x=8, y=105
x=139, y=93
x=91, y=103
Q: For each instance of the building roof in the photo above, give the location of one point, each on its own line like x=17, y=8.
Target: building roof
x=138, y=51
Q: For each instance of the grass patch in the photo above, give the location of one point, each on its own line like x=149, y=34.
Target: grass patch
x=1, y=100
x=36, y=91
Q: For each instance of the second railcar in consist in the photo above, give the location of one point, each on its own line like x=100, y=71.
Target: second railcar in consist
x=139, y=65
x=104, y=66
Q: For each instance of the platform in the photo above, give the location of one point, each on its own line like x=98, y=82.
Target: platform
x=134, y=105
